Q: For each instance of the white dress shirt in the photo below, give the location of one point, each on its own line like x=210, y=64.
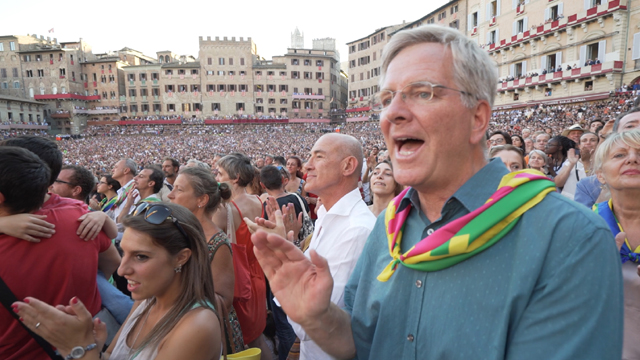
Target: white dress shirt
x=339, y=236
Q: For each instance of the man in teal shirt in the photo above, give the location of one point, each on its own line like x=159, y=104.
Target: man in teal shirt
x=551, y=288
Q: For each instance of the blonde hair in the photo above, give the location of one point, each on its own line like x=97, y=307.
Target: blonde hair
x=629, y=138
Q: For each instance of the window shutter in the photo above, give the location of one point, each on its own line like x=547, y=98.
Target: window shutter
x=635, y=54
x=469, y=25
x=524, y=68
x=583, y=55
x=498, y=7
x=559, y=58
x=512, y=69
x=514, y=28
x=525, y=23
x=547, y=14
x=514, y=4
x=560, y=9
x=602, y=45
x=543, y=63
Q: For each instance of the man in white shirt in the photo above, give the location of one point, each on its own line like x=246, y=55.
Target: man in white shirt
x=344, y=221
x=123, y=172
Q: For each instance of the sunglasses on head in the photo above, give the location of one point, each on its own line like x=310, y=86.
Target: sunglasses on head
x=157, y=214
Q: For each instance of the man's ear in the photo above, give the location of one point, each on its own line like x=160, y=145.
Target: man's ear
x=349, y=166
x=481, y=118
x=2, y=199
x=76, y=191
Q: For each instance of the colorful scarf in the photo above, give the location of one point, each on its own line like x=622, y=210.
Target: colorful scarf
x=116, y=201
x=470, y=234
x=605, y=210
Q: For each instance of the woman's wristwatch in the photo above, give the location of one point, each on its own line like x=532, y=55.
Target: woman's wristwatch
x=78, y=352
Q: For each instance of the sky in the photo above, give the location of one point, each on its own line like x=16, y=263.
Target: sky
x=150, y=26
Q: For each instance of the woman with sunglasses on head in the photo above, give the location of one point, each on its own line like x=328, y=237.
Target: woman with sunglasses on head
x=383, y=187
x=197, y=190
x=510, y=155
x=165, y=262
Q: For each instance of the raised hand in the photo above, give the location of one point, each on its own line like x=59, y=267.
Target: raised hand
x=302, y=285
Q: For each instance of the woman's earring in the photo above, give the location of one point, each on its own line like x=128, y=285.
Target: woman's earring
x=178, y=269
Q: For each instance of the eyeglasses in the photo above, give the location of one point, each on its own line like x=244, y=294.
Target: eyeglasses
x=496, y=141
x=415, y=94
x=157, y=214
x=64, y=182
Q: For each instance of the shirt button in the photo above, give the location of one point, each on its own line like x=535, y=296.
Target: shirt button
x=430, y=231
x=410, y=337
x=418, y=283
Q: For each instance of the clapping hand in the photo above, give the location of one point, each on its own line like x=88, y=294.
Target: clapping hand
x=64, y=327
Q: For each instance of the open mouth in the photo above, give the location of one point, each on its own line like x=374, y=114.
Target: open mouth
x=379, y=183
x=407, y=146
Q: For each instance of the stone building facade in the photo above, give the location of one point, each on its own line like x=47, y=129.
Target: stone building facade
x=550, y=51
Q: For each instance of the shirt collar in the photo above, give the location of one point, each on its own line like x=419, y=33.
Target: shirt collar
x=473, y=193
x=346, y=203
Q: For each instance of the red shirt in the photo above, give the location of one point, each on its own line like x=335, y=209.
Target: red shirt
x=54, y=271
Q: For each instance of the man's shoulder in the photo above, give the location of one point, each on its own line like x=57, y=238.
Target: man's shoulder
x=557, y=210
x=58, y=202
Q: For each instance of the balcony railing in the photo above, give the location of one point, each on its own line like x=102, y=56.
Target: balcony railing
x=558, y=76
x=66, y=96
x=308, y=97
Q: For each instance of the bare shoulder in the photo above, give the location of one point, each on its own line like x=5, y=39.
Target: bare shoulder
x=196, y=336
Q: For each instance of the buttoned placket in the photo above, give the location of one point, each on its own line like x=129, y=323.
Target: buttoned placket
x=416, y=302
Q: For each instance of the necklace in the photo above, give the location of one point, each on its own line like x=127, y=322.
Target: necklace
x=139, y=330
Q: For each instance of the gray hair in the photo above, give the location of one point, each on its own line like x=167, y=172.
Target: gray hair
x=132, y=166
x=539, y=152
x=629, y=138
x=198, y=163
x=473, y=70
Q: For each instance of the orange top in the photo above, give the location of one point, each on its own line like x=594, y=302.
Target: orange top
x=252, y=314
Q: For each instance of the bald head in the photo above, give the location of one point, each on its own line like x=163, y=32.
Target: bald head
x=345, y=146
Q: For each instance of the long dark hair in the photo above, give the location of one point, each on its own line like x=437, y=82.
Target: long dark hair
x=197, y=281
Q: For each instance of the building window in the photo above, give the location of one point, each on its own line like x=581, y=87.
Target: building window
x=29, y=73
x=220, y=61
x=209, y=61
x=307, y=62
x=12, y=45
x=40, y=73
x=295, y=62
x=241, y=61
x=16, y=85
x=474, y=19
x=1, y=46
x=308, y=75
x=230, y=61
x=454, y=9
x=454, y=24
x=239, y=106
x=588, y=85
x=15, y=72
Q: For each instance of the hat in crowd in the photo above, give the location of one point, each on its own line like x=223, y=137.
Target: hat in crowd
x=573, y=127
